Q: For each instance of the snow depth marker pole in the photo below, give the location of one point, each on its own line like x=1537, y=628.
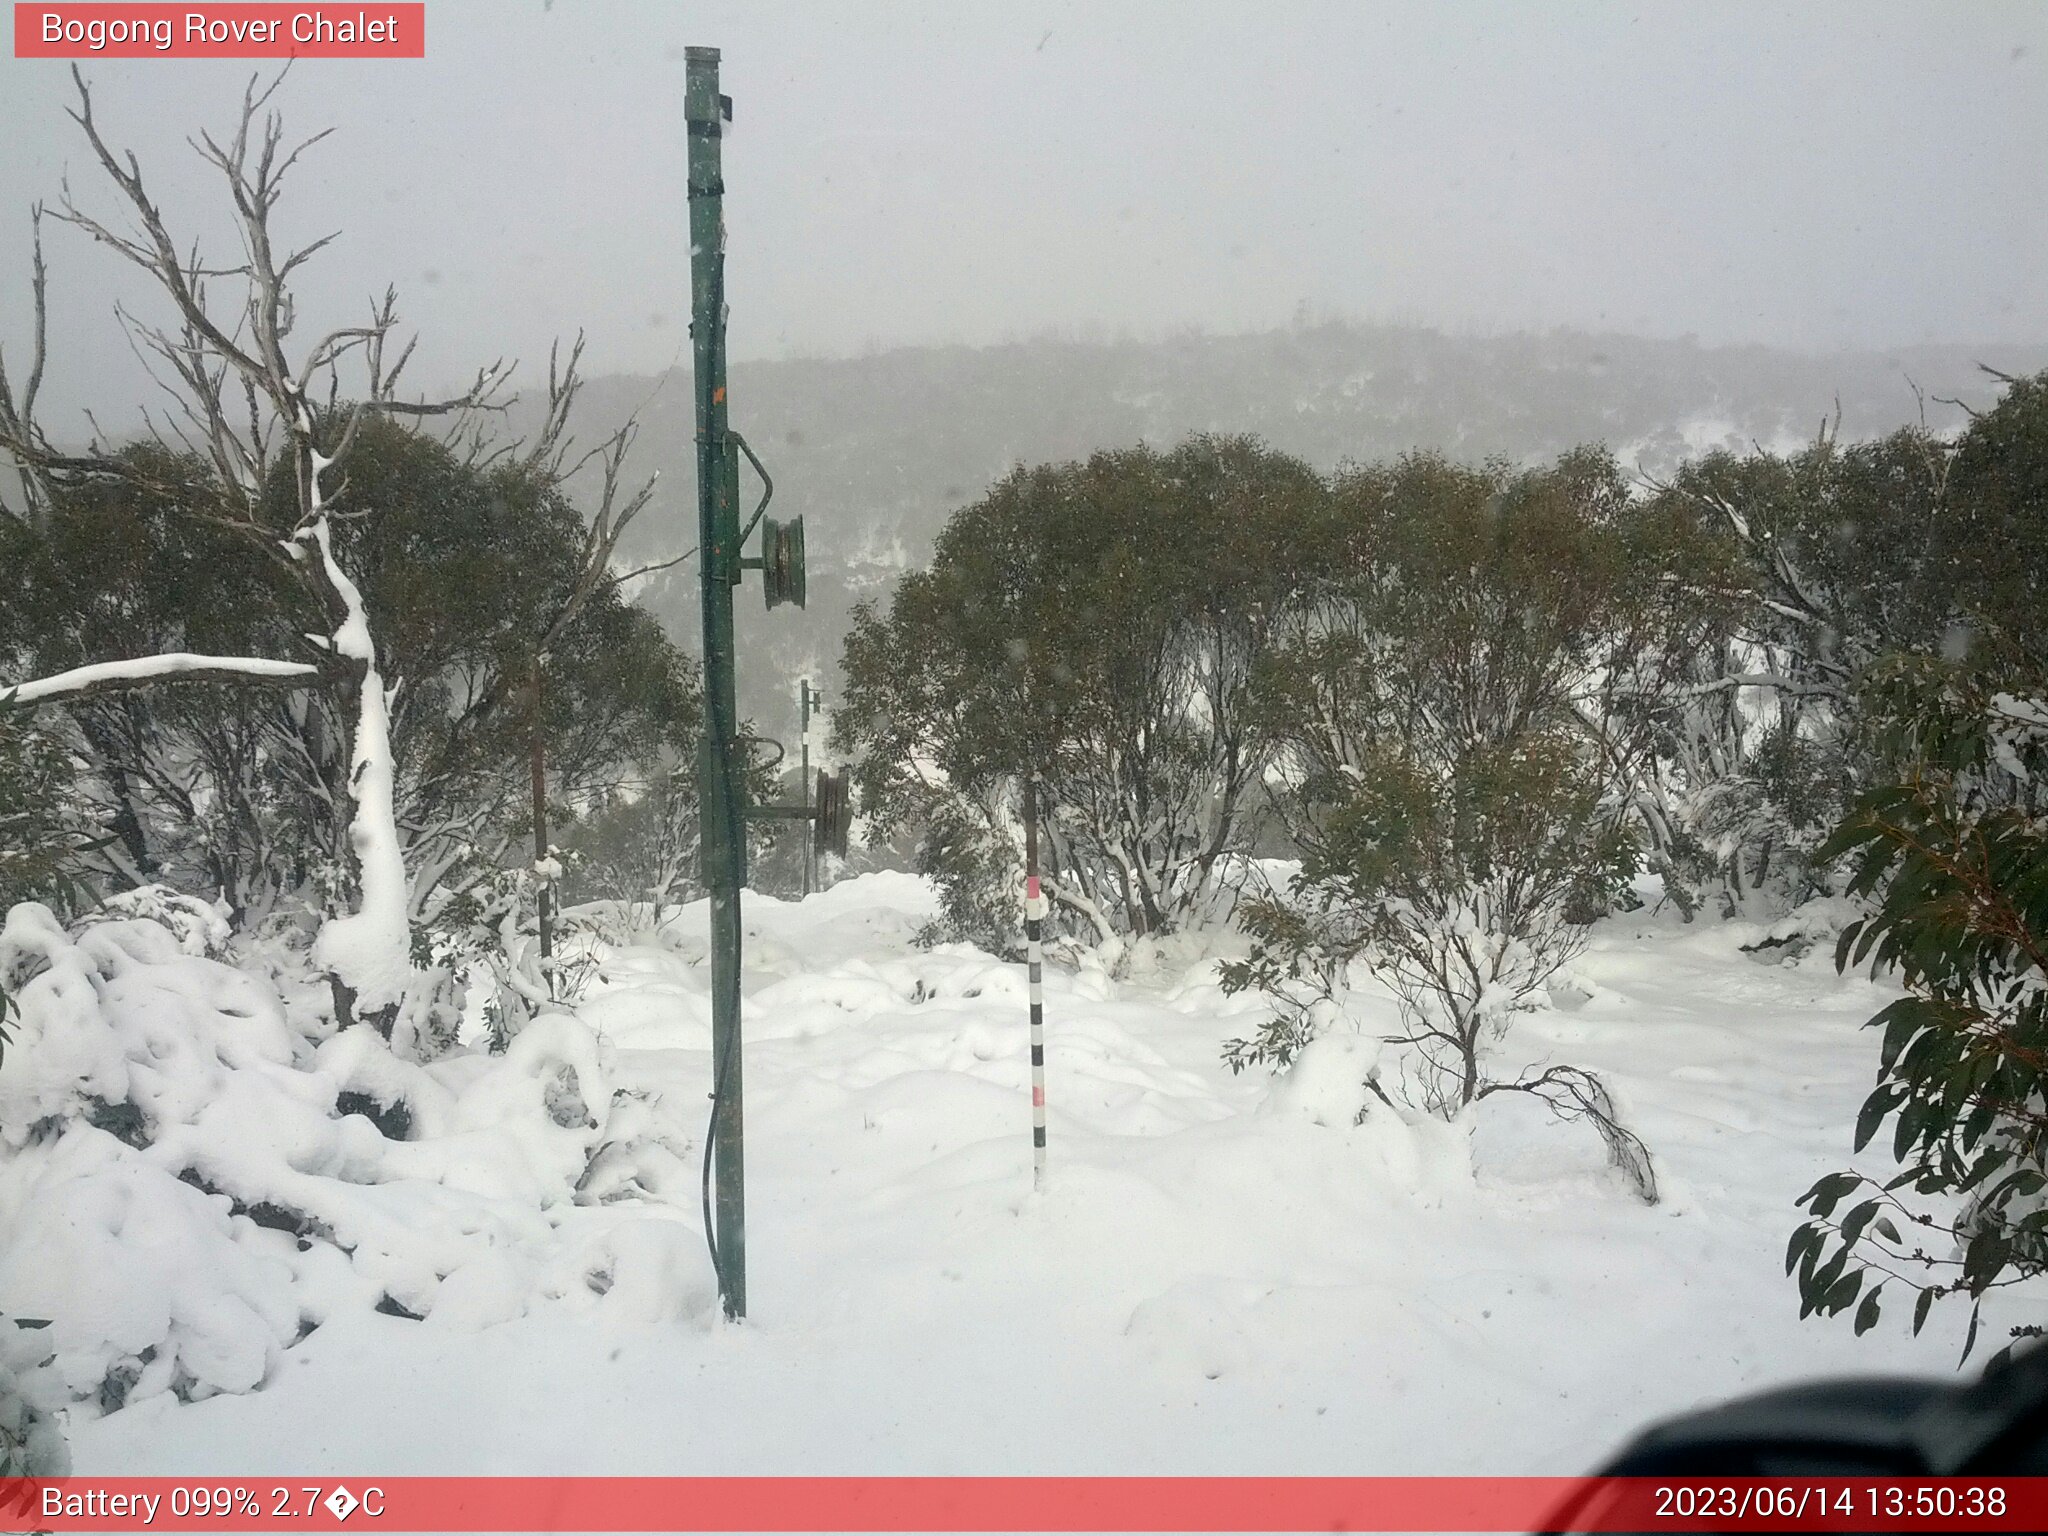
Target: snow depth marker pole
x=1035, y=908
x=803, y=772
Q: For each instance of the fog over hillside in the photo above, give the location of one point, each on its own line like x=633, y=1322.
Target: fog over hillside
x=877, y=451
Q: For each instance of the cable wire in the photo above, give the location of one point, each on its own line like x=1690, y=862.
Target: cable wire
x=722, y=732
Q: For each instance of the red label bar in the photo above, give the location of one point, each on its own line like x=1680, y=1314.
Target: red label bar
x=975, y=1504
x=379, y=29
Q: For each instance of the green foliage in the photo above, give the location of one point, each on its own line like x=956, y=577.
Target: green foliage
x=1451, y=807
x=1845, y=555
x=1095, y=624
x=1850, y=551
x=1953, y=853
x=1443, y=701
x=129, y=567
x=637, y=846
x=242, y=790
x=43, y=836
x=1995, y=572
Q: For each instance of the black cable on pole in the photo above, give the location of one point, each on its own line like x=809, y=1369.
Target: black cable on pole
x=723, y=732
x=721, y=1070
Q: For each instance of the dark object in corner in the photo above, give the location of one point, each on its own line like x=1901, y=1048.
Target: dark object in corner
x=1881, y=1426
x=1888, y=1426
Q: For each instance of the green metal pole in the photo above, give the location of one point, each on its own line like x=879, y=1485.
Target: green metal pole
x=722, y=807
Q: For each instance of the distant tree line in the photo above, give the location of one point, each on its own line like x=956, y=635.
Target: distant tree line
x=1212, y=650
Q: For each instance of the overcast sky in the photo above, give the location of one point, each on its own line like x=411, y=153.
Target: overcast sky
x=1814, y=175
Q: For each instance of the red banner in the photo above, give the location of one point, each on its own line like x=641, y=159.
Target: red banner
x=221, y=31
x=924, y=1504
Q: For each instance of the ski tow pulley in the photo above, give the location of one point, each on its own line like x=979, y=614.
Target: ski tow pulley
x=782, y=561
x=834, y=813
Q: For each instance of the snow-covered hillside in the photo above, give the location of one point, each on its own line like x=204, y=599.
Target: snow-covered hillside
x=1226, y=1274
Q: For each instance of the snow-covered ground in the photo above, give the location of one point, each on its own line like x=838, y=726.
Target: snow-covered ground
x=1224, y=1275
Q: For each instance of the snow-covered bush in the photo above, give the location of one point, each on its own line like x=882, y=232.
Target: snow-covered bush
x=1455, y=813
x=191, y=1180
x=198, y=927
x=1460, y=895
x=491, y=935
x=31, y=1445
x=1744, y=789
x=975, y=857
x=1842, y=555
x=637, y=848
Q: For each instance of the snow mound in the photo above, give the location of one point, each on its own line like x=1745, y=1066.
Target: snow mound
x=1813, y=925
x=1519, y=1143
x=1197, y=1327
x=151, y=1284
x=1328, y=1080
x=1223, y=1272
x=190, y=1183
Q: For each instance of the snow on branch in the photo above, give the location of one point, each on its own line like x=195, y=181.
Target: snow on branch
x=143, y=671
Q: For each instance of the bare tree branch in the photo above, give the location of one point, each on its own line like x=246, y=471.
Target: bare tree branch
x=20, y=437
x=623, y=577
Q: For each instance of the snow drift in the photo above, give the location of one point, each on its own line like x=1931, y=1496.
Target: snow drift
x=198, y=1171
x=1227, y=1273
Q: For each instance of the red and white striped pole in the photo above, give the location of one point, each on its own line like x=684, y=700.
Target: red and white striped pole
x=1035, y=908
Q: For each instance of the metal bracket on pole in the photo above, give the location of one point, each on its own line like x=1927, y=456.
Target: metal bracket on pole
x=830, y=813
x=781, y=561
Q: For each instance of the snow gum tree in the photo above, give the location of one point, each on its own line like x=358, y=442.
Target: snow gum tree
x=466, y=570
x=1456, y=811
x=215, y=353
x=234, y=789
x=1096, y=625
x=279, y=475
x=1848, y=553
x=1832, y=559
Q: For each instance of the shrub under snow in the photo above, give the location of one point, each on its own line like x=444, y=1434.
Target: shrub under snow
x=194, y=1176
